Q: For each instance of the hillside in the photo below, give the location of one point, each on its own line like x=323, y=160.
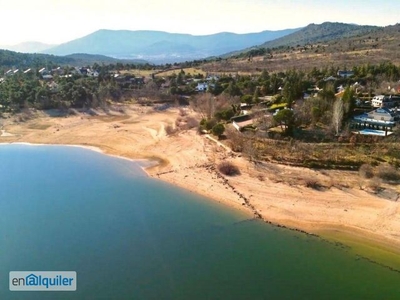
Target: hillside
x=311, y=34
x=363, y=44
x=162, y=47
x=11, y=59
x=316, y=33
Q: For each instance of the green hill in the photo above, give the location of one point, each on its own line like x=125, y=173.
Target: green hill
x=317, y=33
x=11, y=59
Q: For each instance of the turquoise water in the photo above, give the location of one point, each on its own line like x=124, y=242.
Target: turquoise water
x=131, y=237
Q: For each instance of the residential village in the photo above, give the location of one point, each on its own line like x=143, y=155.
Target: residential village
x=256, y=102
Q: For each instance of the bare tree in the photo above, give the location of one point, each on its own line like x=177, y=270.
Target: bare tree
x=207, y=105
x=204, y=105
x=337, y=115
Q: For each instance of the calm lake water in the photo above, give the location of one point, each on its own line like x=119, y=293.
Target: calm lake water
x=131, y=237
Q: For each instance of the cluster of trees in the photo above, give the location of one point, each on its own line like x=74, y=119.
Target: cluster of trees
x=326, y=110
x=26, y=90
x=10, y=59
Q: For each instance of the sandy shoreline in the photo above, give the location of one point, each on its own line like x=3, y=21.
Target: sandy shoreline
x=188, y=160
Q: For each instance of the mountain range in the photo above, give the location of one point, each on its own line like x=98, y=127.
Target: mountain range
x=162, y=47
x=157, y=47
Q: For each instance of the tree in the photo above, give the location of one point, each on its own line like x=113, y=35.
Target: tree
x=288, y=94
x=256, y=95
x=328, y=93
x=337, y=115
x=218, y=129
x=246, y=99
x=349, y=100
x=204, y=104
x=285, y=118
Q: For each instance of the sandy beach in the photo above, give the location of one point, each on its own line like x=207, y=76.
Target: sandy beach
x=188, y=160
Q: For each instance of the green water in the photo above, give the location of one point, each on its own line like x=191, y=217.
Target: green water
x=131, y=237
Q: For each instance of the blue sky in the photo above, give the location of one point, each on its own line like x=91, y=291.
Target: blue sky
x=58, y=21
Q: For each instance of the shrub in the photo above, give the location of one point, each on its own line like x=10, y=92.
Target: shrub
x=228, y=168
x=218, y=129
x=169, y=129
x=72, y=112
x=388, y=173
x=226, y=114
x=246, y=99
x=192, y=122
x=375, y=184
x=312, y=183
x=366, y=171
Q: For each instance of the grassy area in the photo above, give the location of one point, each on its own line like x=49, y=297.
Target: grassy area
x=191, y=71
x=139, y=73
x=327, y=155
x=39, y=126
x=277, y=106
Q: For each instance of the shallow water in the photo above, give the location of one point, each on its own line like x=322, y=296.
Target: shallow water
x=132, y=237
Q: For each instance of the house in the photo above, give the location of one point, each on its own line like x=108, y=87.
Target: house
x=27, y=71
x=8, y=73
x=379, y=117
x=212, y=77
x=241, y=122
x=385, y=101
x=42, y=71
x=91, y=73
x=201, y=87
x=377, y=100
x=57, y=71
x=330, y=78
x=345, y=74
x=358, y=87
x=83, y=71
x=340, y=88
x=47, y=77
x=382, y=114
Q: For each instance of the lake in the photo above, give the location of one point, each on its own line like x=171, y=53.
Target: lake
x=129, y=236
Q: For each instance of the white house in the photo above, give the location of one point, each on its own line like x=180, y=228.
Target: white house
x=91, y=73
x=201, y=87
x=377, y=100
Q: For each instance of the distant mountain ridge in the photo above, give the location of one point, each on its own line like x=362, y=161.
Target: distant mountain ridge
x=29, y=47
x=161, y=47
x=328, y=48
